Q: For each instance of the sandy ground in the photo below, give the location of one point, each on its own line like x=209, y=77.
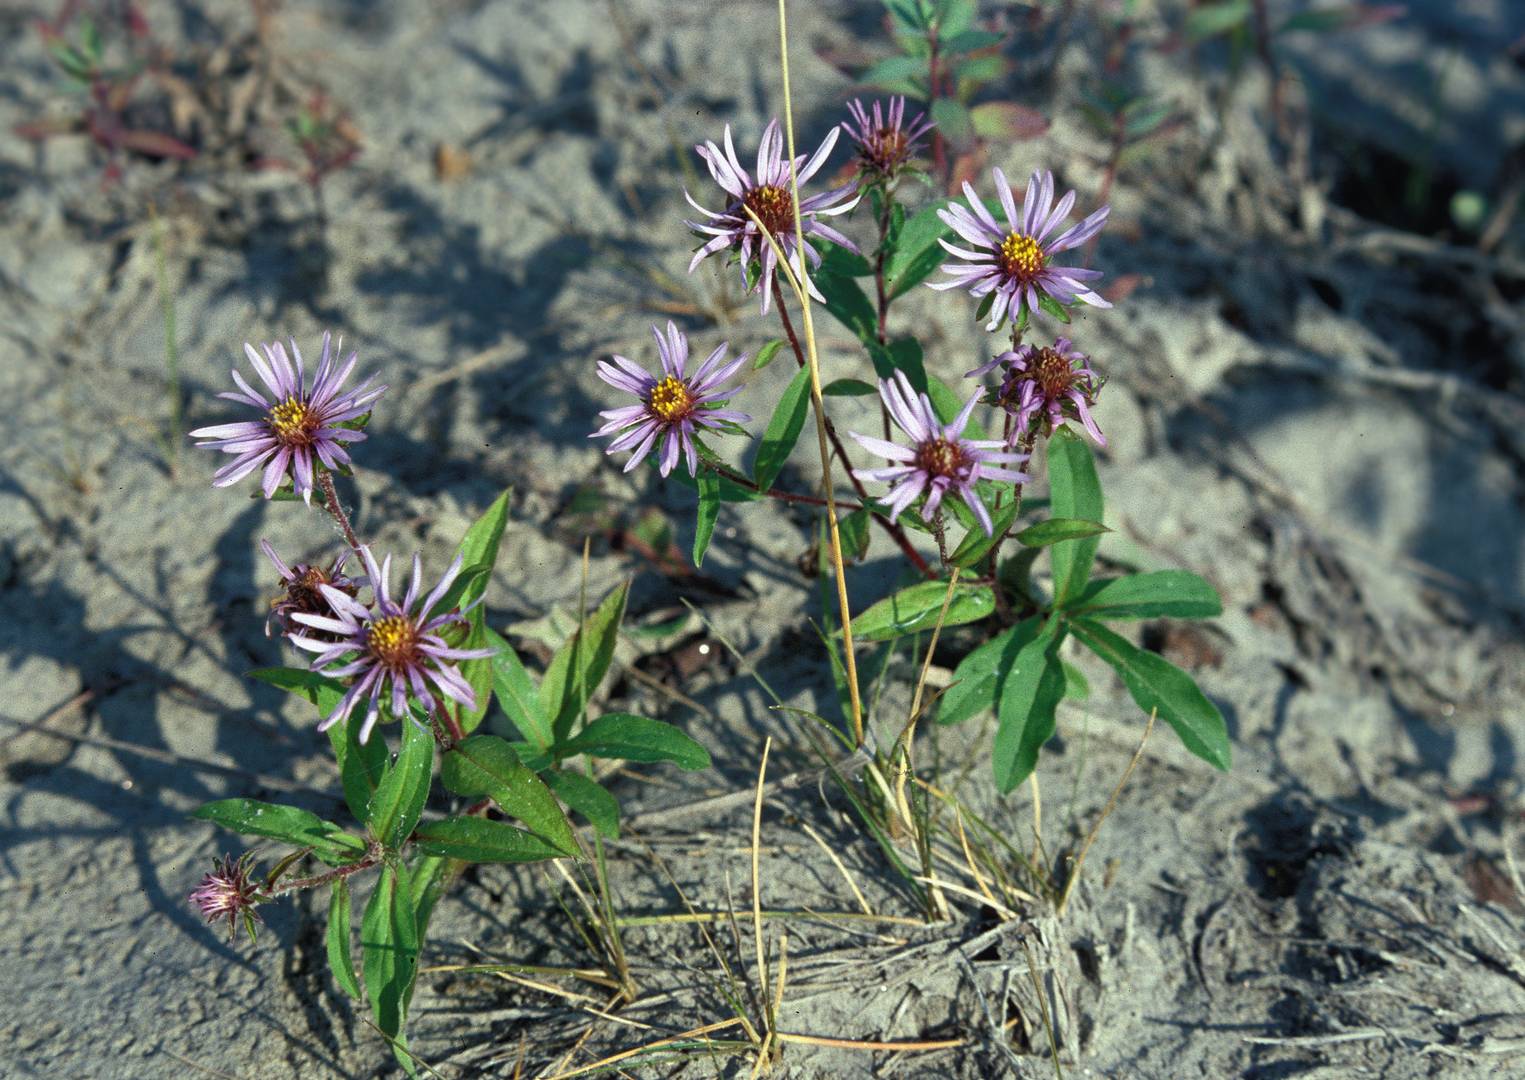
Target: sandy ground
x=1316, y=410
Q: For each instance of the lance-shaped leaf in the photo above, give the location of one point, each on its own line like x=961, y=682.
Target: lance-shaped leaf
x=486, y=765
x=581, y=664
x=709, y=510
x=399, y=799
x=477, y=840
x=361, y=765
x=1052, y=531
x=783, y=430
x=917, y=607
x=340, y=960
x=1163, y=594
x=1160, y=687
x=976, y=543
x=301, y=828
x=1075, y=493
x=917, y=254
x=389, y=947
x=636, y=738
x=516, y=693
x=1028, y=695
x=849, y=304
x=588, y=798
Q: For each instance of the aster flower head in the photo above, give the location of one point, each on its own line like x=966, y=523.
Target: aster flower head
x=299, y=427
x=884, y=141
x=939, y=459
x=300, y=589
x=228, y=892
x=768, y=193
x=1049, y=385
x=392, y=650
x=673, y=408
x=1015, y=260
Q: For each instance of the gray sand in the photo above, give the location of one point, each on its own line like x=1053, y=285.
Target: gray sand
x=1314, y=411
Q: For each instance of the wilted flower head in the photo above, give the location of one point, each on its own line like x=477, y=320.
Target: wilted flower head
x=227, y=892
x=674, y=407
x=1050, y=384
x=1014, y=260
x=768, y=195
x=939, y=459
x=390, y=647
x=297, y=424
x=883, y=140
x=300, y=593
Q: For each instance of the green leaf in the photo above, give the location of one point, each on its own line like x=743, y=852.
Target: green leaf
x=1007, y=121
x=902, y=354
x=918, y=254
x=784, y=429
x=1163, y=594
x=982, y=69
x=486, y=765
x=849, y=305
x=635, y=738
x=1159, y=686
x=389, y=947
x=1213, y=19
x=1075, y=494
x=848, y=388
x=976, y=545
x=400, y=797
x=1076, y=688
x=955, y=17
x=1028, y=697
x=967, y=41
x=837, y=260
x=250, y=817
x=895, y=73
x=318, y=689
x=340, y=960
x=479, y=553
x=709, y=511
x=947, y=405
x=361, y=765
x=581, y=664
x=588, y=798
x=977, y=678
x=1054, y=530
x=853, y=531
x=478, y=840
x=767, y=353
x=916, y=608
x=478, y=672
x=516, y=694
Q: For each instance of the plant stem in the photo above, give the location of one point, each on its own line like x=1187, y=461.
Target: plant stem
x=882, y=300
x=895, y=531
x=331, y=504
x=815, y=391
x=326, y=877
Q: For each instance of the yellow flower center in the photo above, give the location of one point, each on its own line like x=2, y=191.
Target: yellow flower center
x=292, y=421
x=391, y=639
x=671, y=400
x=939, y=457
x=1021, y=257
x=773, y=207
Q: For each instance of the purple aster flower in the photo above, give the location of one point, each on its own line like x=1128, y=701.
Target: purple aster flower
x=768, y=195
x=674, y=407
x=1013, y=260
x=227, y=892
x=300, y=593
x=1051, y=384
x=939, y=459
x=298, y=424
x=389, y=647
x=884, y=141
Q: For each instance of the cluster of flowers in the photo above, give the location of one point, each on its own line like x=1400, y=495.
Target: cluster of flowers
x=397, y=653
x=1010, y=265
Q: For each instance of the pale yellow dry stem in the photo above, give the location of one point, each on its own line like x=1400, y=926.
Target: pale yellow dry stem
x=974, y=870
x=867, y=1044
x=832, y=855
x=815, y=390
x=1106, y=812
x=757, y=923
x=604, y=1063
x=948, y=886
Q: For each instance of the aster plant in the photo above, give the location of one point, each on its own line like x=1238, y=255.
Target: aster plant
x=421, y=661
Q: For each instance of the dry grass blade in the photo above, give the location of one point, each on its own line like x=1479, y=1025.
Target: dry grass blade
x=841, y=869
x=625, y=1055
x=869, y=1044
x=757, y=923
x=1074, y=876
